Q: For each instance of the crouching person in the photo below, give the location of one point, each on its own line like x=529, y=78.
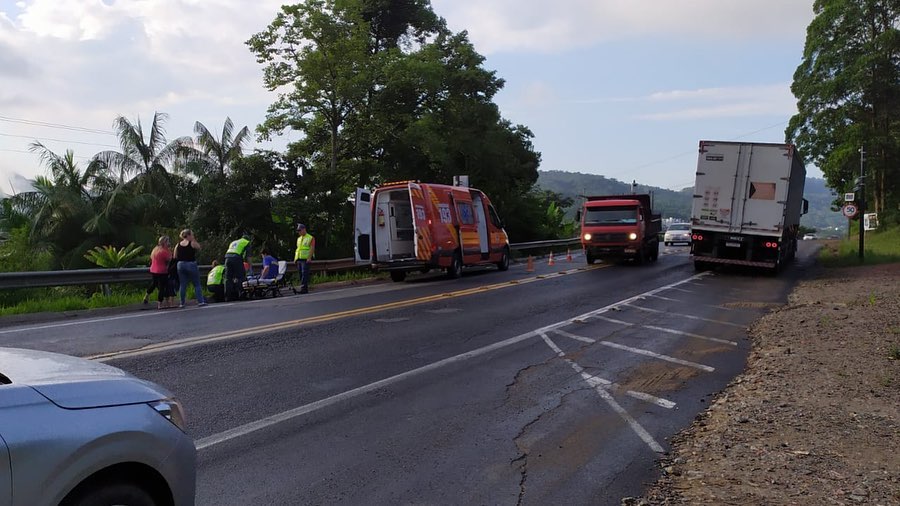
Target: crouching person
x=214, y=282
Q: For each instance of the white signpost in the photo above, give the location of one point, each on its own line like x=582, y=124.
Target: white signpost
x=849, y=197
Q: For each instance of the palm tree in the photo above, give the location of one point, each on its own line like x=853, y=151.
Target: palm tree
x=58, y=207
x=219, y=153
x=146, y=160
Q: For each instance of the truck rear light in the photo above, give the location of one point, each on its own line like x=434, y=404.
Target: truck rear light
x=697, y=237
x=771, y=244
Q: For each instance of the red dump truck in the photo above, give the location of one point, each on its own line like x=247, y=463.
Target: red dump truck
x=619, y=227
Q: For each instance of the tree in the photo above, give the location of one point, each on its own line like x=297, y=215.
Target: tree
x=143, y=166
x=318, y=52
x=848, y=91
x=219, y=153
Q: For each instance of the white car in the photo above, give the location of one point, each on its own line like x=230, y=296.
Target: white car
x=810, y=237
x=677, y=232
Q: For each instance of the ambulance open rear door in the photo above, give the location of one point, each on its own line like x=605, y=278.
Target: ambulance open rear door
x=362, y=220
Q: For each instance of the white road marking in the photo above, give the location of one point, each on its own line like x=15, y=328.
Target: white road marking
x=573, y=336
x=391, y=320
x=653, y=354
x=689, y=334
x=639, y=351
x=142, y=314
x=661, y=329
x=257, y=425
x=682, y=290
x=682, y=315
x=643, y=396
x=606, y=396
x=660, y=297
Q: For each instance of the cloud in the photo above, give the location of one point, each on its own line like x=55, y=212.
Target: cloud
x=724, y=102
x=536, y=25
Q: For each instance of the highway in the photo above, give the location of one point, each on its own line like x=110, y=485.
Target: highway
x=557, y=386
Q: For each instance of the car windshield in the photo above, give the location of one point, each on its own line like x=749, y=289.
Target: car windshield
x=679, y=226
x=610, y=216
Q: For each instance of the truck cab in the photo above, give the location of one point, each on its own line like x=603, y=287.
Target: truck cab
x=619, y=227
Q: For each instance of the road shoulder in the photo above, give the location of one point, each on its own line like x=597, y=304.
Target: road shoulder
x=815, y=417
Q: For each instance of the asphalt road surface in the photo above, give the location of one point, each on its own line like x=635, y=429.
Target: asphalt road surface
x=557, y=386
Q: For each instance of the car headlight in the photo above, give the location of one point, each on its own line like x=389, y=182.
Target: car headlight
x=587, y=237
x=632, y=236
x=172, y=411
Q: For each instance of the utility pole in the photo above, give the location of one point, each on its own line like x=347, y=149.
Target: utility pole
x=862, y=204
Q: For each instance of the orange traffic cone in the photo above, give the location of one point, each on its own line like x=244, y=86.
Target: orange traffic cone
x=551, y=262
x=529, y=267
x=569, y=255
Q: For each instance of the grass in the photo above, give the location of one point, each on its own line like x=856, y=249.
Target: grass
x=881, y=247
x=894, y=352
x=54, y=300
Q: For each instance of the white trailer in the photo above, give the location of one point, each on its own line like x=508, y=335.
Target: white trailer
x=748, y=199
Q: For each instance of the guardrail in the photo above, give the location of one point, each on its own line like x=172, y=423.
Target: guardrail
x=37, y=279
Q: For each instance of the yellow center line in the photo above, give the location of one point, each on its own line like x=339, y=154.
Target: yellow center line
x=233, y=334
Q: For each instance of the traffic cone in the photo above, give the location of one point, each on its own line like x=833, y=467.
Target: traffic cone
x=529, y=267
x=569, y=255
x=551, y=262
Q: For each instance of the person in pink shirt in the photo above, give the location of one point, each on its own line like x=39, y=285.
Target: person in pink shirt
x=159, y=269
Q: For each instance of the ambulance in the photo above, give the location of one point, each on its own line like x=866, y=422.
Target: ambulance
x=409, y=226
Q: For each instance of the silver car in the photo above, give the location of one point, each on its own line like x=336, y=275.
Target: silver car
x=75, y=432
x=677, y=232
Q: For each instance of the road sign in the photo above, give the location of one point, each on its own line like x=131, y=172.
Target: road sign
x=870, y=221
x=849, y=197
x=849, y=210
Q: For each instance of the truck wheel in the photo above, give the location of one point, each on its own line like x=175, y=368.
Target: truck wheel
x=590, y=258
x=398, y=276
x=455, y=269
x=503, y=264
x=700, y=266
x=654, y=255
x=641, y=257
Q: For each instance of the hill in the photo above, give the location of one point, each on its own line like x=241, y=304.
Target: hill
x=677, y=204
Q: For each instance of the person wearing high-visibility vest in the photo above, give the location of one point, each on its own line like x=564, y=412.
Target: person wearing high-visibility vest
x=306, y=251
x=214, y=281
x=235, y=275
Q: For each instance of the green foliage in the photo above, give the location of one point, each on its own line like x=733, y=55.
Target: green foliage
x=882, y=246
x=17, y=254
x=110, y=257
x=847, y=89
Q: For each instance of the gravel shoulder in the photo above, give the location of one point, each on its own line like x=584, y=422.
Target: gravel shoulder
x=815, y=417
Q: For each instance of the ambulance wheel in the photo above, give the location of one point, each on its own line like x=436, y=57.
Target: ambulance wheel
x=503, y=264
x=455, y=269
x=398, y=276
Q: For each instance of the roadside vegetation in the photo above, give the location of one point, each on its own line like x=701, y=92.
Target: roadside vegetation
x=880, y=247
x=59, y=299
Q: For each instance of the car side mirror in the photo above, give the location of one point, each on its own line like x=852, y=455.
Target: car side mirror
x=805, y=206
x=578, y=215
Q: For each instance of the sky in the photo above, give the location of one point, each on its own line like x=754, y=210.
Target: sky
x=620, y=88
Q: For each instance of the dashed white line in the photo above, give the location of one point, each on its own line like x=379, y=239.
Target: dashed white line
x=682, y=290
x=661, y=329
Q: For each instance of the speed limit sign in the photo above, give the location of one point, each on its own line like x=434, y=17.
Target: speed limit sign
x=849, y=210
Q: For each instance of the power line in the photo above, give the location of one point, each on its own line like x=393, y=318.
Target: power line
x=55, y=125
x=57, y=140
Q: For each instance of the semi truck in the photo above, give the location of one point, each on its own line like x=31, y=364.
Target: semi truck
x=619, y=227
x=748, y=199
x=409, y=226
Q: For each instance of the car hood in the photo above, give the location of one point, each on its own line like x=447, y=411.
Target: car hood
x=76, y=383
